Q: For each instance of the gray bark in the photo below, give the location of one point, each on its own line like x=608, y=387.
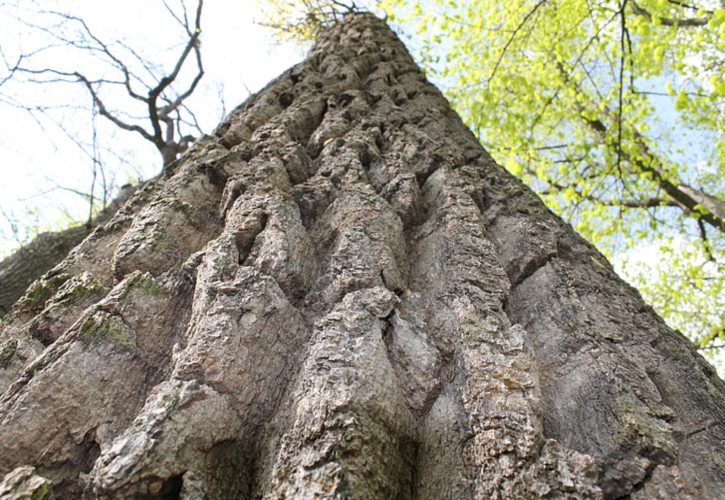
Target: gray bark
x=340, y=294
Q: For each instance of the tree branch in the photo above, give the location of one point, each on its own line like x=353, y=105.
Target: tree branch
x=515, y=32
x=709, y=208
x=101, y=47
x=156, y=115
x=668, y=21
x=694, y=201
x=107, y=114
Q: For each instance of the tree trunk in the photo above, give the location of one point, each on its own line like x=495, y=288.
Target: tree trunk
x=340, y=294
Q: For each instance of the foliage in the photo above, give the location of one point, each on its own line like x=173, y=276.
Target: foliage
x=613, y=111
x=301, y=19
x=689, y=297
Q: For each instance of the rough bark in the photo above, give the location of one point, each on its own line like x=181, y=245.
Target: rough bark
x=340, y=294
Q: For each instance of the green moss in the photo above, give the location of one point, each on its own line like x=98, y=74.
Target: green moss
x=40, y=291
x=42, y=492
x=146, y=283
x=711, y=391
x=59, y=291
x=170, y=399
x=103, y=326
x=90, y=289
x=81, y=287
x=150, y=188
x=160, y=239
x=223, y=265
x=7, y=351
x=140, y=287
x=179, y=205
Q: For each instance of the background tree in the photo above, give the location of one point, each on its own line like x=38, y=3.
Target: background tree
x=613, y=111
x=60, y=151
x=340, y=294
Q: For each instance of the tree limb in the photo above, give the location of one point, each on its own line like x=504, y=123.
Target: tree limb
x=668, y=21
x=154, y=113
x=694, y=201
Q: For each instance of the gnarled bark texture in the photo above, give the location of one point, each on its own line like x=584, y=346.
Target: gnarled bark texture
x=340, y=294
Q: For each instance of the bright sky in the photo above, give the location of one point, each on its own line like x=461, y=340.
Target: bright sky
x=37, y=163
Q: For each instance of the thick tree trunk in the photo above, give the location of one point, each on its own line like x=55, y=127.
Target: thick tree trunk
x=341, y=295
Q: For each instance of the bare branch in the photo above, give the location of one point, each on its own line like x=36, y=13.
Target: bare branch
x=518, y=28
x=184, y=23
x=620, y=93
x=102, y=47
x=107, y=114
x=668, y=21
x=165, y=109
x=156, y=115
x=11, y=70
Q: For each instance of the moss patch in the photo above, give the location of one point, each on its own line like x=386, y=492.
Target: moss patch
x=7, y=351
x=223, y=265
x=24, y=482
x=149, y=189
x=146, y=283
x=40, y=291
x=160, y=239
x=42, y=492
x=105, y=327
x=81, y=287
x=179, y=205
